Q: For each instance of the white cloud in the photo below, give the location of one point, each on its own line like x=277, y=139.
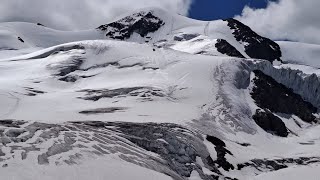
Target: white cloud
x=79, y=14
x=288, y=19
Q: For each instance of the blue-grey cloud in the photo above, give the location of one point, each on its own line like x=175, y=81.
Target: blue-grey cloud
x=296, y=20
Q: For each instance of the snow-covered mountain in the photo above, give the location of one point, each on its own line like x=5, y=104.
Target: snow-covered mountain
x=155, y=95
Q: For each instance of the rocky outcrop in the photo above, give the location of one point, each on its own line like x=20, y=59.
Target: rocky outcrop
x=255, y=45
x=141, y=23
x=20, y=39
x=221, y=150
x=225, y=48
x=270, y=123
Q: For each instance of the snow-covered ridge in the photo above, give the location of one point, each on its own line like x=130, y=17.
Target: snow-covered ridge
x=161, y=24
x=34, y=35
x=150, y=26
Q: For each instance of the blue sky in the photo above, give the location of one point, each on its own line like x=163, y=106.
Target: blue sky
x=221, y=9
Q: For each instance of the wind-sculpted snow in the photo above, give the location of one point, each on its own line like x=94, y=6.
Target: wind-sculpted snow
x=57, y=50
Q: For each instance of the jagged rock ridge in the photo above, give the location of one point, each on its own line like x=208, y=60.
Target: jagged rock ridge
x=255, y=45
x=141, y=23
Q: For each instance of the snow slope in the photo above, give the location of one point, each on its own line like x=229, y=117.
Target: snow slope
x=39, y=36
x=127, y=66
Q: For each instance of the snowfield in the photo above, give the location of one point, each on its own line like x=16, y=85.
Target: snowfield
x=157, y=96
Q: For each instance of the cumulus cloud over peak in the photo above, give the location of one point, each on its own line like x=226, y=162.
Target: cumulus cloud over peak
x=295, y=20
x=79, y=14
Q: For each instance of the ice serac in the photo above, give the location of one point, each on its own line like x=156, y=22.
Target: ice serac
x=306, y=85
x=141, y=23
x=255, y=45
x=276, y=97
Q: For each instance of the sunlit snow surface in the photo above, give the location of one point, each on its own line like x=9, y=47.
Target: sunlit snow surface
x=47, y=86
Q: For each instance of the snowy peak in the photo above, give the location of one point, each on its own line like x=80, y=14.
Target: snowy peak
x=141, y=23
x=156, y=27
x=229, y=35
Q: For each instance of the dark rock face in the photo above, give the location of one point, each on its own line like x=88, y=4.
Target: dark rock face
x=270, y=123
x=141, y=23
x=221, y=150
x=256, y=46
x=225, y=48
x=271, y=95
